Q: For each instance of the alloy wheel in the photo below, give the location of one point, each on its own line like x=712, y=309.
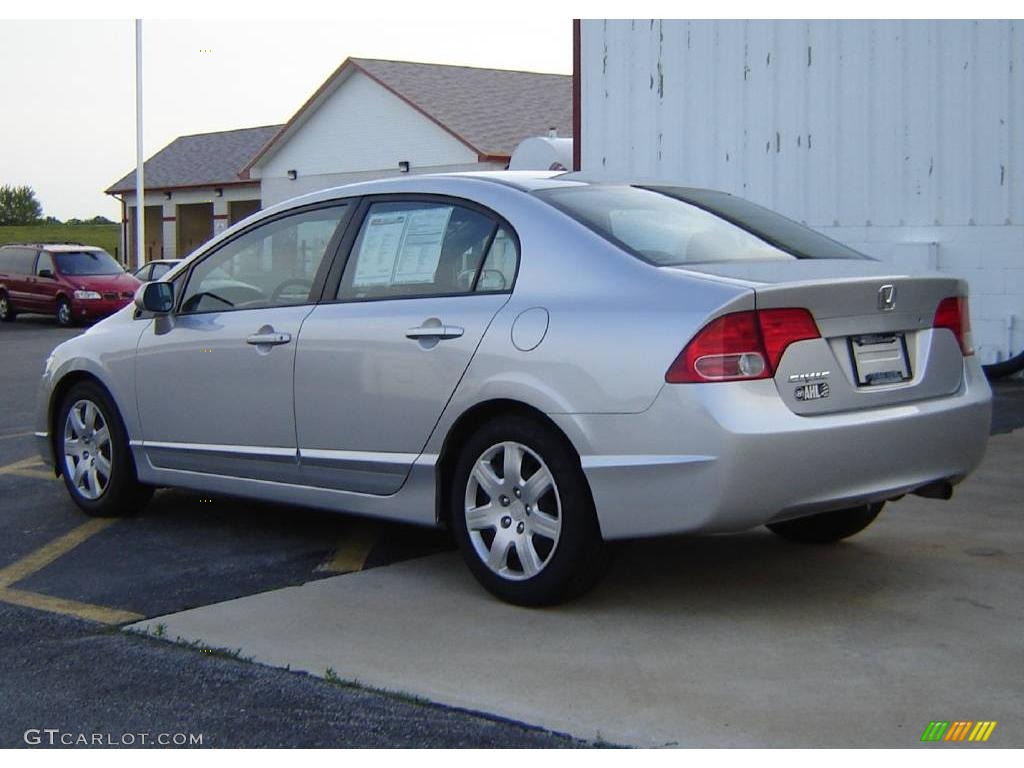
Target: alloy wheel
x=63, y=313
x=513, y=511
x=88, y=456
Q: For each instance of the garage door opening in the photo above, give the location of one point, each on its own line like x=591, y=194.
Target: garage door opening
x=240, y=209
x=154, y=246
x=195, y=226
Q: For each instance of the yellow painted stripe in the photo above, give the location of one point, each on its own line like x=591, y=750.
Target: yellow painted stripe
x=12, y=435
x=97, y=613
x=45, y=555
x=31, y=461
x=30, y=467
x=977, y=729
x=353, y=549
x=988, y=731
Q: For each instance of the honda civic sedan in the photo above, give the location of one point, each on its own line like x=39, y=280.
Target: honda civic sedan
x=541, y=363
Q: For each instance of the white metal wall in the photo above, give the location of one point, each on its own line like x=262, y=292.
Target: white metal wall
x=902, y=138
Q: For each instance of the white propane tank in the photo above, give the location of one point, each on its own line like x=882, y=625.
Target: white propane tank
x=542, y=153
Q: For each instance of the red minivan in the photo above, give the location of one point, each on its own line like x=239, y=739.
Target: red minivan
x=69, y=281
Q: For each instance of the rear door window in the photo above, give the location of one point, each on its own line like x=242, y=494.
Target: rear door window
x=408, y=249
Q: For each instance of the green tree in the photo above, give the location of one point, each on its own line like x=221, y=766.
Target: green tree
x=18, y=205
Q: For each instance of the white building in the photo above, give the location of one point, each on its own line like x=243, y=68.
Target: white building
x=370, y=119
x=900, y=138
x=375, y=118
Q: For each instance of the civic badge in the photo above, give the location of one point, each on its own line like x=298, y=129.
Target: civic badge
x=887, y=298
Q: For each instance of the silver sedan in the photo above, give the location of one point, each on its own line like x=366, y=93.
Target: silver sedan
x=540, y=363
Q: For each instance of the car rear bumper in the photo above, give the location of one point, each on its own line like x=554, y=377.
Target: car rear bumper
x=726, y=457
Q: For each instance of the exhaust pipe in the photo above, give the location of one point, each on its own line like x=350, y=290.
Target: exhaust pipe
x=940, y=489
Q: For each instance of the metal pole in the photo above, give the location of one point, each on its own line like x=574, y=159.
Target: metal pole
x=140, y=189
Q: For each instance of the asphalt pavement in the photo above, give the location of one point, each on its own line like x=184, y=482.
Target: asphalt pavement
x=88, y=679
x=67, y=585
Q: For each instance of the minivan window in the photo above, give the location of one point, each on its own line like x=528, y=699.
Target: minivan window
x=661, y=225
x=86, y=263
x=45, y=262
x=17, y=261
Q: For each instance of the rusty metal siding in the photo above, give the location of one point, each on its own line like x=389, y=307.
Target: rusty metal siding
x=836, y=123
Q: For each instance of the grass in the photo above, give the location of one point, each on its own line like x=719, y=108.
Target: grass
x=106, y=236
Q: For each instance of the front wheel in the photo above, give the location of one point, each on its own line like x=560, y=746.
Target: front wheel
x=7, y=312
x=63, y=312
x=94, y=456
x=828, y=527
x=523, y=516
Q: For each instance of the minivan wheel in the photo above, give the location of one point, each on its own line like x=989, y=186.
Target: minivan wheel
x=95, y=460
x=7, y=313
x=63, y=312
x=828, y=527
x=523, y=516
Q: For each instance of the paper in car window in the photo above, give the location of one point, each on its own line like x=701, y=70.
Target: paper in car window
x=421, y=245
x=382, y=238
x=401, y=247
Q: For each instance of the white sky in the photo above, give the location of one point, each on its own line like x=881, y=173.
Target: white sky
x=67, y=88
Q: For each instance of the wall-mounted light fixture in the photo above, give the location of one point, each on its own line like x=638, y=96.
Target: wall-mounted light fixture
x=219, y=191
x=403, y=166
x=167, y=195
x=293, y=174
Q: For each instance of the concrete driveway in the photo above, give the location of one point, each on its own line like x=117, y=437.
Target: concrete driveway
x=742, y=640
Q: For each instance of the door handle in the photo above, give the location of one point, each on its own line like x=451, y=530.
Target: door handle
x=268, y=339
x=434, y=332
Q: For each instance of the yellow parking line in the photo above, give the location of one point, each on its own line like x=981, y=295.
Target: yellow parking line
x=353, y=549
x=30, y=467
x=98, y=613
x=42, y=557
x=12, y=435
x=45, y=555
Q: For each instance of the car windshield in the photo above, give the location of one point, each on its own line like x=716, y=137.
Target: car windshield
x=672, y=226
x=86, y=263
x=159, y=270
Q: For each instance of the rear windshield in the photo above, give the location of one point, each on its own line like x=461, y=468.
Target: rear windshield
x=670, y=226
x=86, y=263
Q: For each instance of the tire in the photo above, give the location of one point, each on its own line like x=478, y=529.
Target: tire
x=64, y=317
x=828, y=527
x=552, y=549
x=7, y=312
x=95, y=461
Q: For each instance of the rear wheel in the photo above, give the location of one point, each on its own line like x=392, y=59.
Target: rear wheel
x=63, y=312
x=828, y=527
x=523, y=516
x=95, y=459
x=7, y=312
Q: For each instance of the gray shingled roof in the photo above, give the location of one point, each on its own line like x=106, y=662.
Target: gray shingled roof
x=202, y=159
x=492, y=110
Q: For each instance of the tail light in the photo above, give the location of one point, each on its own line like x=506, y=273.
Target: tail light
x=741, y=346
x=954, y=314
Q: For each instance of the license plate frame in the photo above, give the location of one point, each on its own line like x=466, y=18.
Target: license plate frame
x=879, y=359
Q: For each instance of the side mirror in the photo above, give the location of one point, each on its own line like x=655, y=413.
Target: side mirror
x=157, y=298
x=47, y=273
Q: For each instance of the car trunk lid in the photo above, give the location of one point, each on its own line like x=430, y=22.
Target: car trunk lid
x=878, y=346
